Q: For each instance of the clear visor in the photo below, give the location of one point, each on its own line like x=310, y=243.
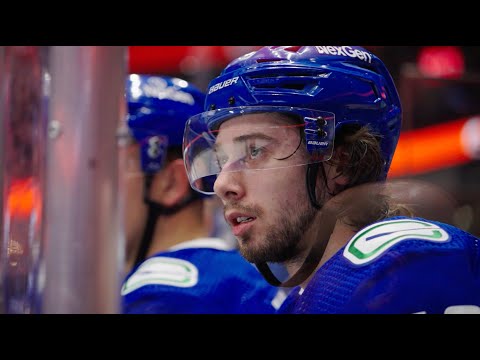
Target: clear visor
x=254, y=138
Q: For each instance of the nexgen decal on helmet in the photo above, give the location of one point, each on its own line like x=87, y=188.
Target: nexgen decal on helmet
x=158, y=108
x=339, y=85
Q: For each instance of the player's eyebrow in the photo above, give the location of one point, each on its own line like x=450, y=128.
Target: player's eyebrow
x=243, y=138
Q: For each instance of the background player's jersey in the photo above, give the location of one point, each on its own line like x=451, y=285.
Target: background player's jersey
x=399, y=265
x=200, y=276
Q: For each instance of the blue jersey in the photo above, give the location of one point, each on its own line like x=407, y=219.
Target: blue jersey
x=201, y=276
x=399, y=265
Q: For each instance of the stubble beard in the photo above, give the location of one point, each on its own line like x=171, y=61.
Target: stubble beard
x=282, y=240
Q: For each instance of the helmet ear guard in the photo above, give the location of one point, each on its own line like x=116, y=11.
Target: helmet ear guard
x=316, y=136
x=153, y=153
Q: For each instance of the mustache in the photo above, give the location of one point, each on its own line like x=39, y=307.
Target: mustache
x=249, y=209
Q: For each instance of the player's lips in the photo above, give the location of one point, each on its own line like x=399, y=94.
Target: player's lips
x=239, y=222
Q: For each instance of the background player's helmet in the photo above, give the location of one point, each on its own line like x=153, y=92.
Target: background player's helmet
x=158, y=108
x=338, y=84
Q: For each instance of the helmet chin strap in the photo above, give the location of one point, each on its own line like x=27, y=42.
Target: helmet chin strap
x=154, y=211
x=328, y=220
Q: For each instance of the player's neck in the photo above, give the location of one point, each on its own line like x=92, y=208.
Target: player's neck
x=341, y=234
x=185, y=225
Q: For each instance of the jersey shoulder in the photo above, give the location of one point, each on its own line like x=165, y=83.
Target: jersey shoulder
x=404, y=235
x=399, y=265
x=162, y=270
x=198, y=280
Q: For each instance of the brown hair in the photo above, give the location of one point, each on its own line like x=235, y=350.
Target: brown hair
x=361, y=161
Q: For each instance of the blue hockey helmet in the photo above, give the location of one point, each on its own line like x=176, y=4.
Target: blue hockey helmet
x=158, y=108
x=326, y=87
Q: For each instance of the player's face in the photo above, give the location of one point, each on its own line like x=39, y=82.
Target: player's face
x=267, y=208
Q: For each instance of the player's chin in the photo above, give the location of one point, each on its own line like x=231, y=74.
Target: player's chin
x=252, y=250
x=251, y=256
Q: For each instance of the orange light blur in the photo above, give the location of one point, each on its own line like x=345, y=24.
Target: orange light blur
x=429, y=149
x=23, y=197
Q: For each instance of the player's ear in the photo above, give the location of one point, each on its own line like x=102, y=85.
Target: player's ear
x=171, y=184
